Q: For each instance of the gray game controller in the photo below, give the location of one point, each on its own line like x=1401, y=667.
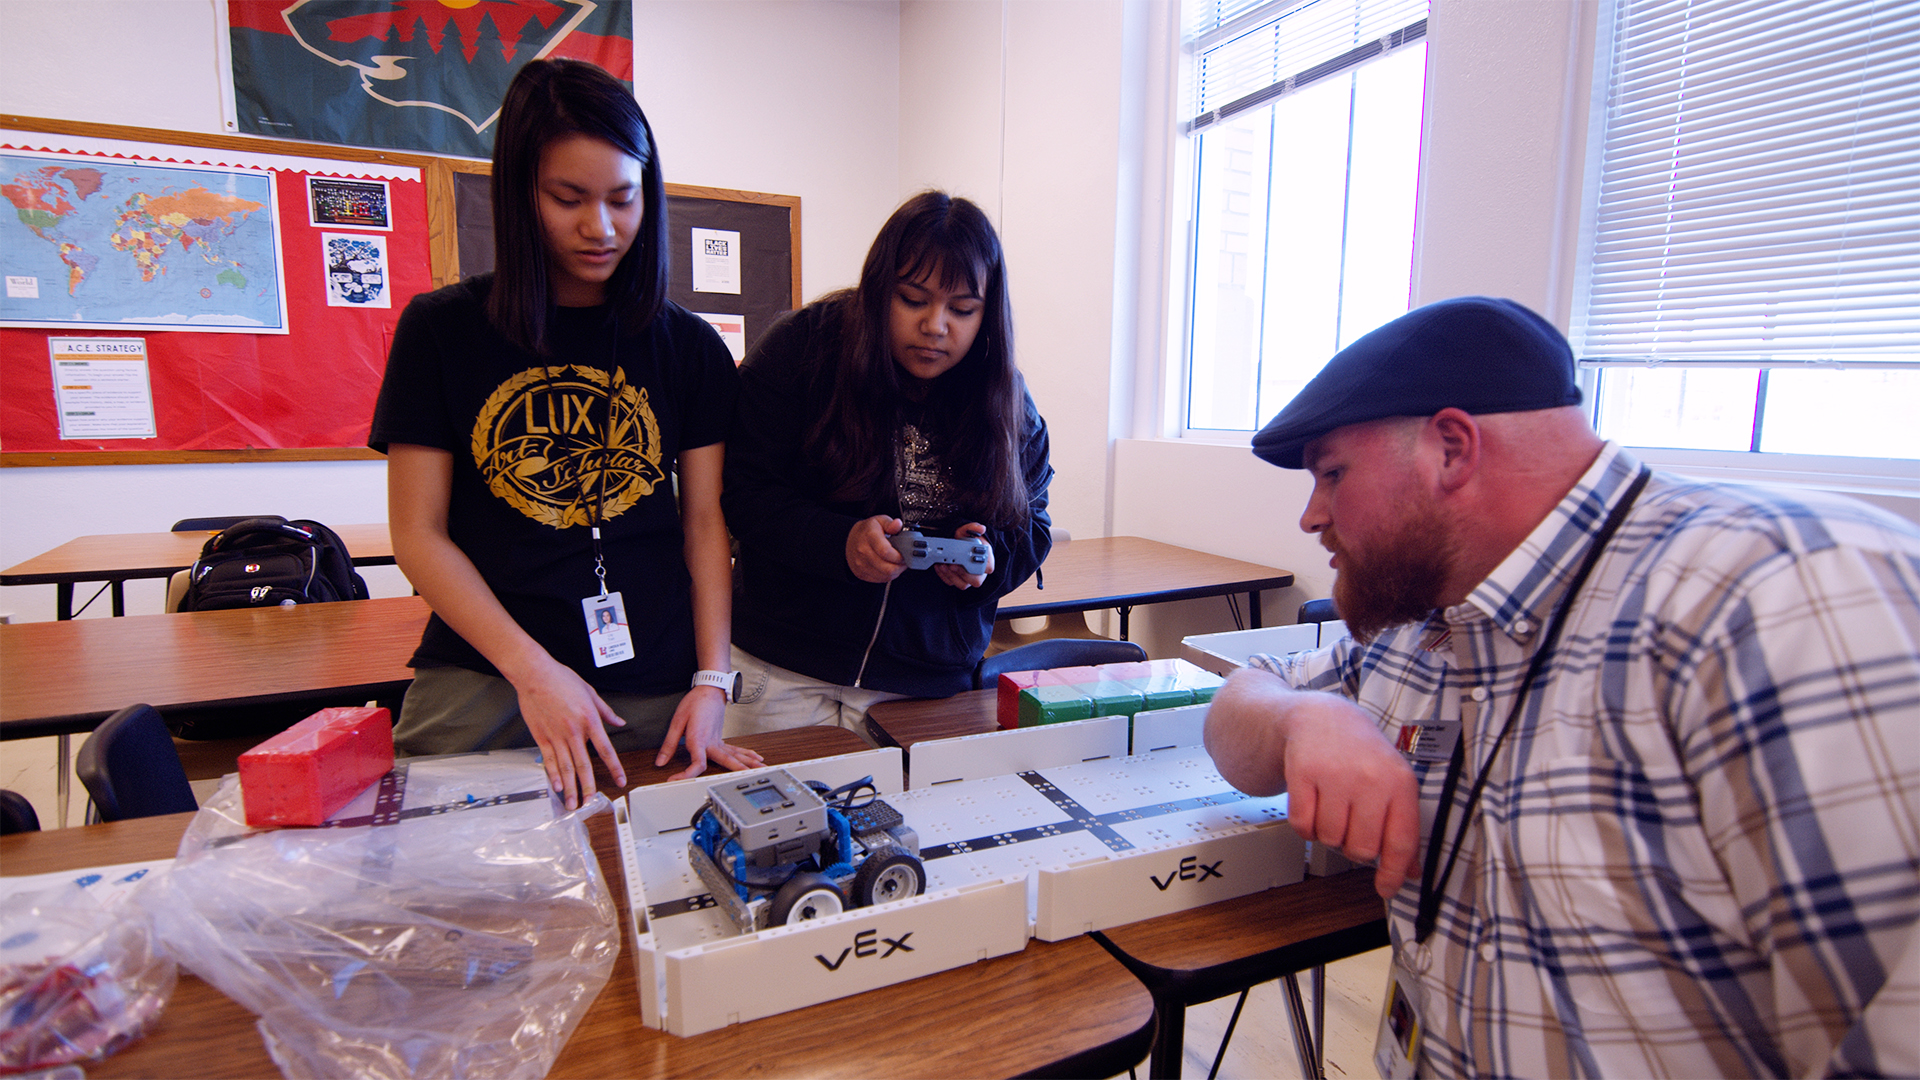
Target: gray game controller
x=924, y=551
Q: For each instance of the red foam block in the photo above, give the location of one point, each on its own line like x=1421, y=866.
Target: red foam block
x=305, y=773
x=1007, y=704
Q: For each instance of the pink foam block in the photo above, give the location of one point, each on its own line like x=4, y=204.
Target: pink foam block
x=305, y=773
x=1068, y=676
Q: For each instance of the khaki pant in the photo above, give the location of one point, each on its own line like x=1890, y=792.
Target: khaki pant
x=774, y=699
x=450, y=710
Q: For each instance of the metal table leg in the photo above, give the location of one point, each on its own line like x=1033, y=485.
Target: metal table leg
x=63, y=780
x=1320, y=1019
x=1304, y=1040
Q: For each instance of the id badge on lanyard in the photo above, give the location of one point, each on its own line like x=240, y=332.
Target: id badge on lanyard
x=1396, y=1046
x=607, y=633
x=608, y=637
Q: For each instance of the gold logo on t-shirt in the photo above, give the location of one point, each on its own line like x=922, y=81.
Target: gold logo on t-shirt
x=544, y=443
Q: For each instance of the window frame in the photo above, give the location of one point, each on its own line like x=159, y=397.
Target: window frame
x=1185, y=151
x=1898, y=477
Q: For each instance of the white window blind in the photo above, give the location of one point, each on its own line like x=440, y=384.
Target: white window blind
x=1759, y=187
x=1248, y=53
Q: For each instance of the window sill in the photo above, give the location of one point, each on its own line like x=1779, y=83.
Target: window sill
x=1860, y=476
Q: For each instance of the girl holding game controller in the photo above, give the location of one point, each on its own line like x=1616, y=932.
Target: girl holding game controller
x=890, y=407
x=534, y=419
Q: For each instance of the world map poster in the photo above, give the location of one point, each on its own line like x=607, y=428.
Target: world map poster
x=104, y=243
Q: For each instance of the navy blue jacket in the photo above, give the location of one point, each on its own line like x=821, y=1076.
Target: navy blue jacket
x=796, y=604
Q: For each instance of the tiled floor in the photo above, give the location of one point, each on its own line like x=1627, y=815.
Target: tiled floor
x=28, y=767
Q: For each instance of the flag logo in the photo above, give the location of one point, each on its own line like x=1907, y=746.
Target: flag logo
x=408, y=74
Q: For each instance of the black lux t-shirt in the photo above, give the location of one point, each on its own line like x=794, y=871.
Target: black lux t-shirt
x=530, y=438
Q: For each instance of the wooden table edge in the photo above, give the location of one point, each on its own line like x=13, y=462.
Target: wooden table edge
x=1142, y=597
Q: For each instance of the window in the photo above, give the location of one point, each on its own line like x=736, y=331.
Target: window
x=1752, y=275
x=1306, y=142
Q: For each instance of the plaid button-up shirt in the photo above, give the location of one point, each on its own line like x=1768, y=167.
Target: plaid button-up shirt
x=1698, y=851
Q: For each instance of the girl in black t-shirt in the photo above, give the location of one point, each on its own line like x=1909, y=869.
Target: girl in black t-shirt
x=534, y=419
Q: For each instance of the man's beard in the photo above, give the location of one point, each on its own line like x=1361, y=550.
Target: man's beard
x=1399, y=580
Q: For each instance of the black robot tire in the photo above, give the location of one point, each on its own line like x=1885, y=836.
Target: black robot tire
x=894, y=876
x=803, y=898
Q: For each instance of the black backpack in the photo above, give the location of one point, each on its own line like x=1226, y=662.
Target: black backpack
x=269, y=562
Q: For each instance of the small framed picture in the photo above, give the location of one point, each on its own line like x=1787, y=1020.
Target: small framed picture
x=339, y=203
x=355, y=267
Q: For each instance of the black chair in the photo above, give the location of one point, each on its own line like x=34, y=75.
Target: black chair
x=209, y=524
x=131, y=769
x=16, y=814
x=1317, y=611
x=1053, y=653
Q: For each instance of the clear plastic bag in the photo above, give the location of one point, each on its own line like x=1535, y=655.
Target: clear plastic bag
x=79, y=978
x=464, y=935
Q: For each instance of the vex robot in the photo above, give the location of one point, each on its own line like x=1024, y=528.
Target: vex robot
x=775, y=851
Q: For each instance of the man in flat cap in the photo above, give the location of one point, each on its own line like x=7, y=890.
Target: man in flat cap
x=1638, y=757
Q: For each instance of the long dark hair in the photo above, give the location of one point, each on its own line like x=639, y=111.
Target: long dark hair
x=548, y=100
x=977, y=408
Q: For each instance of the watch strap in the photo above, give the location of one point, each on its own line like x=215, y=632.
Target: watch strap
x=727, y=682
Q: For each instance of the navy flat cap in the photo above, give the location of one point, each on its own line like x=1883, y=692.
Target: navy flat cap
x=1476, y=353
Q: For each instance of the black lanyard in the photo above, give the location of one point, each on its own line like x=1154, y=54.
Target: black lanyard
x=1431, y=889
x=604, y=455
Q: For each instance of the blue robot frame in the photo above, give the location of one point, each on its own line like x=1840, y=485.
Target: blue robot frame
x=774, y=851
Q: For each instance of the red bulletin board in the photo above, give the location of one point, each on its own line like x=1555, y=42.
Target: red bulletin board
x=307, y=393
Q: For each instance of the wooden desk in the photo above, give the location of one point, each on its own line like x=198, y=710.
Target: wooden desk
x=62, y=677
x=119, y=558
x=1123, y=571
x=1060, y=1009
x=57, y=678
x=910, y=720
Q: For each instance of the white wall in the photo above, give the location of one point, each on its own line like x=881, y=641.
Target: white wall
x=1017, y=106
x=1503, y=151
x=796, y=97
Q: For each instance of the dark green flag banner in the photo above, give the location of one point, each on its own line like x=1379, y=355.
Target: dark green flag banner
x=424, y=75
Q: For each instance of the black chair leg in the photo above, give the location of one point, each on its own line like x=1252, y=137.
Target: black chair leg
x=1227, y=1036
x=1307, y=1035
